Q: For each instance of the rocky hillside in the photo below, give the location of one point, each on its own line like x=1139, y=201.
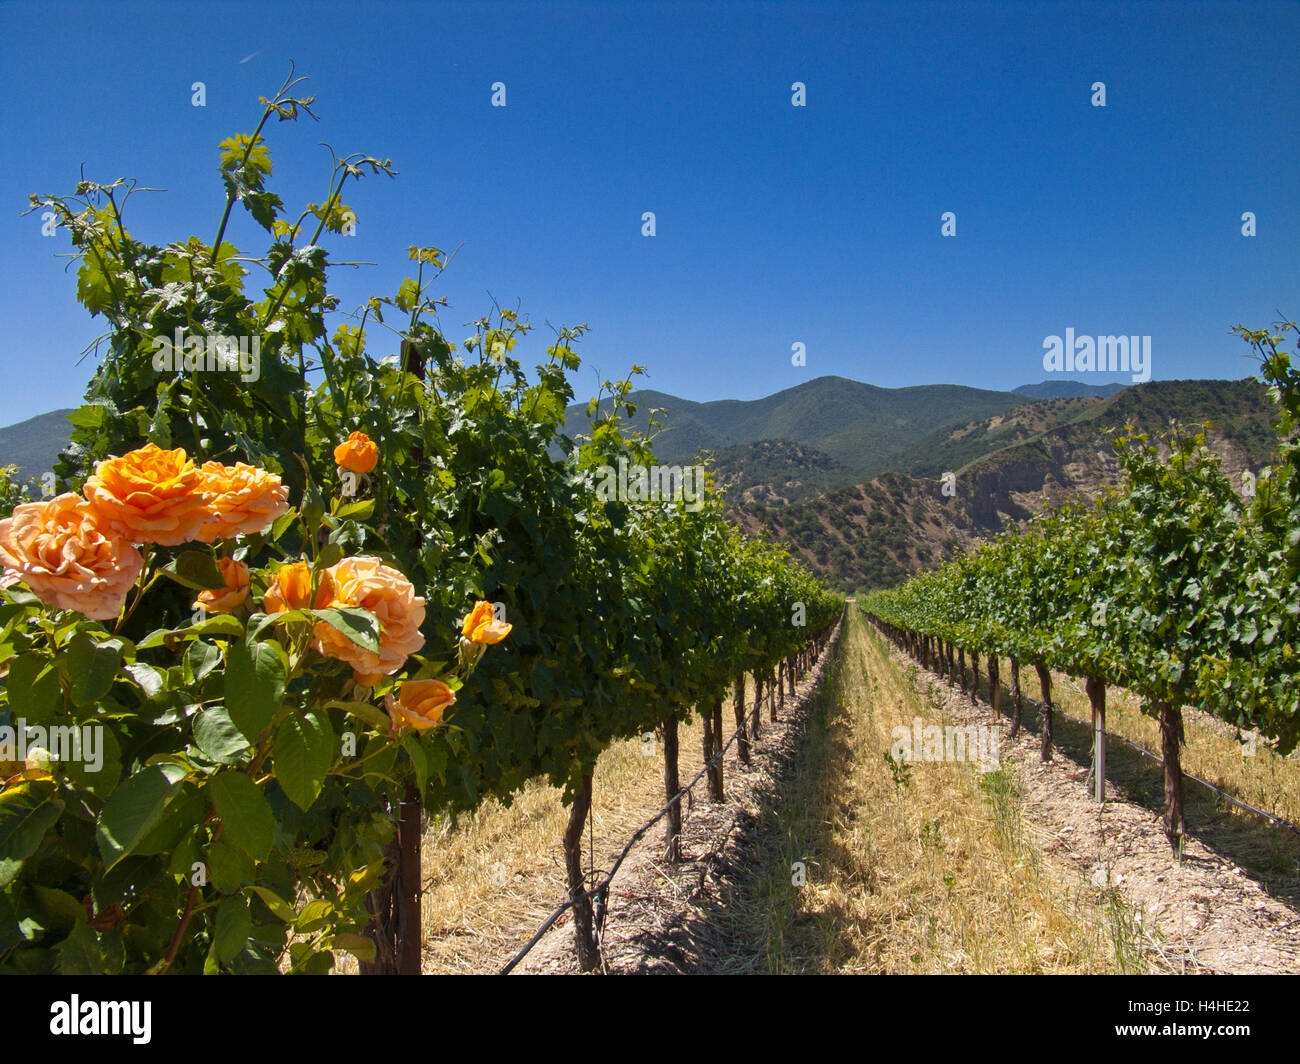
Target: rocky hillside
x=874, y=534
x=849, y=475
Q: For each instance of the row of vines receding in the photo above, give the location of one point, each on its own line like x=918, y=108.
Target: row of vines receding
x=1180, y=586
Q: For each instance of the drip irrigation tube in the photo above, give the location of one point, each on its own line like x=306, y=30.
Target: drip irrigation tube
x=597, y=892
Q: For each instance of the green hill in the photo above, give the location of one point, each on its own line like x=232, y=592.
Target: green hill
x=1067, y=390
x=857, y=425
x=846, y=474
x=776, y=473
x=34, y=444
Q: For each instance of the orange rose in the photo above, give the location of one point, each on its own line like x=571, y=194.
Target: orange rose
x=420, y=704
x=149, y=496
x=66, y=554
x=356, y=454
x=481, y=626
x=383, y=591
x=290, y=589
x=232, y=596
x=239, y=499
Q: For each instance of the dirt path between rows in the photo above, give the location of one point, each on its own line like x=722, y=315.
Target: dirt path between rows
x=1230, y=906
x=673, y=918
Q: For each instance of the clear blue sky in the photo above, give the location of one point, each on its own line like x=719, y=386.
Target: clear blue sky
x=775, y=224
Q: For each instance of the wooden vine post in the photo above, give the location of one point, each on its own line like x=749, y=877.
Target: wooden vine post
x=706, y=739
x=713, y=720
x=396, y=926
x=1171, y=736
x=995, y=695
x=738, y=710
x=584, y=921
x=410, y=929
x=1017, y=698
x=382, y=928
x=1045, y=683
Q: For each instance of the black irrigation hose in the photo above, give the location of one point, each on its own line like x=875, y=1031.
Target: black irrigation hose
x=1272, y=818
x=599, y=889
x=604, y=884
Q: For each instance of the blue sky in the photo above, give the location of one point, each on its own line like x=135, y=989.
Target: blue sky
x=775, y=224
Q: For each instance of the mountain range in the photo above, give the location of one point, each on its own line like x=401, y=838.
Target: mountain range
x=848, y=475
x=34, y=444
x=865, y=429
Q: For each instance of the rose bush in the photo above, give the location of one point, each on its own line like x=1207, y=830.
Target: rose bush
x=251, y=781
x=200, y=820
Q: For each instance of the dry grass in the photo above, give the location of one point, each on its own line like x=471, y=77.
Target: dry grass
x=925, y=870
x=930, y=868
x=935, y=874
x=493, y=877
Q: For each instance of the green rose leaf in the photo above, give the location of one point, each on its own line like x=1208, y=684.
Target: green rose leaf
x=229, y=868
x=360, y=511
x=222, y=625
x=245, y=812
x=365, y=711
x=255, y=680
x=34, y=691
x=200, y=659
x=302, y=755
x=134, y=809
x=196, y=570
x=90, y=667
x=27, y=812
x=358, y=945
x=216, y=735
x=233, y=925
x=80, y=952
x=99, y=768
x=360, y=626
x=278, y=906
